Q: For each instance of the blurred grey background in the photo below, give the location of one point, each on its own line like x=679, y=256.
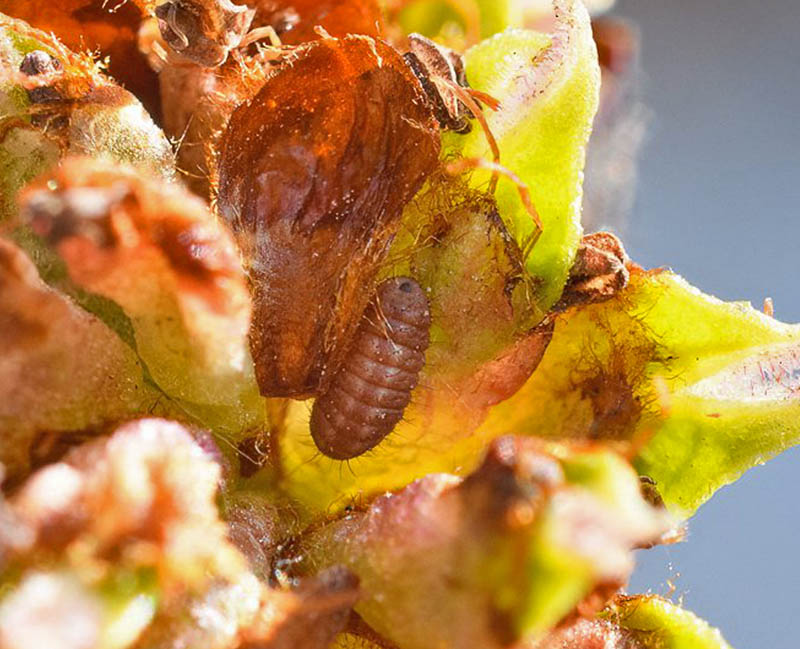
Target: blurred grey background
x=718, y=200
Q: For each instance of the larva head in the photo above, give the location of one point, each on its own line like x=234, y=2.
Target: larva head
x=402, y=299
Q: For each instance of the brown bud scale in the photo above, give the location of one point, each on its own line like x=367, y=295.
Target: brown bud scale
x=314, y=173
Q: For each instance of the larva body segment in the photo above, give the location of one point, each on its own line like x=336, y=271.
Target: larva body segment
x=368, y=395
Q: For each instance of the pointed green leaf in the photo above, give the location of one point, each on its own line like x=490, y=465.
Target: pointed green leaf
x=697, y=389
x=733, y=399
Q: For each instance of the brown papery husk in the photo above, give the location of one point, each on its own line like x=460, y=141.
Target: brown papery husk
x=313, y=175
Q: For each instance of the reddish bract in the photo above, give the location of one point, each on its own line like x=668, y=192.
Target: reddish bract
x=313, y=176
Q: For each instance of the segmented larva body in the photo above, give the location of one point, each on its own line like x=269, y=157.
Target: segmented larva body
x=368, y=395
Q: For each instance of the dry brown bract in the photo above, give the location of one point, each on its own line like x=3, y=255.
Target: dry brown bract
x=313, y=176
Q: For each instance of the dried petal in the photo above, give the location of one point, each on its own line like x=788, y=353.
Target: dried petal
x=198, y=100
x=599, y=271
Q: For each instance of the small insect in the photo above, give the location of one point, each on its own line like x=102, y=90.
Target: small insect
x=368, y=395
x=441, y=72
x=39, y=63
x=204, y=32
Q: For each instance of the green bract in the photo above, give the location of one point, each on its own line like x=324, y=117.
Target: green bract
x=733, y=385
x=547, y=86
x=658, y=624
x=698, y=390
